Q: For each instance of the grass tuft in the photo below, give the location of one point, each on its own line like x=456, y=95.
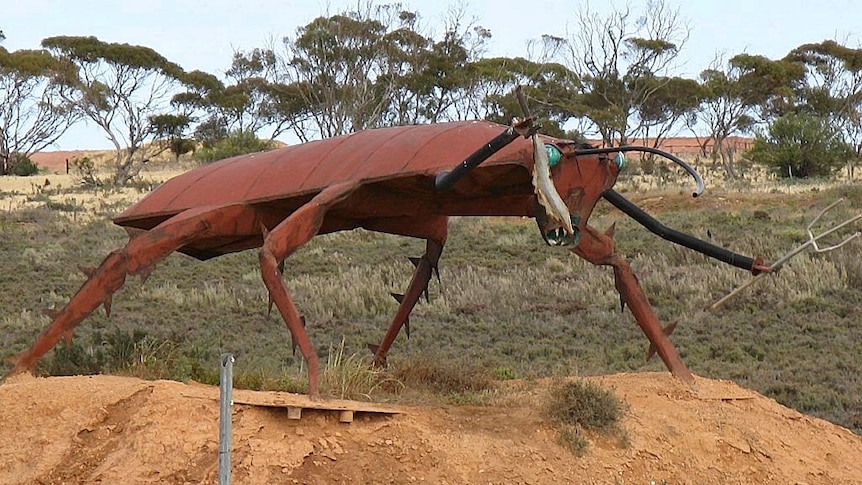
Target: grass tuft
x=352, y=377
x=577, y=407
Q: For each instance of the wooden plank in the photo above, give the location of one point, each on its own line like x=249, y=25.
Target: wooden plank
x=289, y=400
x=295, y=403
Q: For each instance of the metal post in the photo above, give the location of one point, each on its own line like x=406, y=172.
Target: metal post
x=225, y=404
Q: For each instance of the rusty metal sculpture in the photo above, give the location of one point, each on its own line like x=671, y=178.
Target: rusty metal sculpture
x=392, y=180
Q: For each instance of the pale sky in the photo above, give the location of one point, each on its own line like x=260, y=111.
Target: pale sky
x=203, y=34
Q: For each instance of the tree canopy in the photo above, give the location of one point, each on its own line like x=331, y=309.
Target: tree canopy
x=119, y=88
x=33, y=112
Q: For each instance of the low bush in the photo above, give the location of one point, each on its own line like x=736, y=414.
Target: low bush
x=21, y=165
x=237, y=143
x=580, y=406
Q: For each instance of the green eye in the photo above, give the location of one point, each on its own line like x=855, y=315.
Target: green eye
x=620, y=160
x=554, y=155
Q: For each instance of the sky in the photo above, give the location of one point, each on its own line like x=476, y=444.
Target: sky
x=204, y=34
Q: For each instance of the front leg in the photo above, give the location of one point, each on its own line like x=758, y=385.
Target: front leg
x=600, y=249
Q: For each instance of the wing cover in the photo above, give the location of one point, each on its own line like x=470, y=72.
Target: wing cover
x=299, y=171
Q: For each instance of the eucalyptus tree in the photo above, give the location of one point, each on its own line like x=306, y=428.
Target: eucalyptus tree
x=674, y=102
x=375, y=67
x=120, y=88
x=334, y=64
x=249, y=100
x=772, y=84
x=623, y=62
x=736, y=96
x=455, y=81
x=33, y=113
x=549, y=87
x=832, y=88
x=245, y=93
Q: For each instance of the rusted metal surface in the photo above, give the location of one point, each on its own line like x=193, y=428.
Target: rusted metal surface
x=288, y=176
x=382, y=180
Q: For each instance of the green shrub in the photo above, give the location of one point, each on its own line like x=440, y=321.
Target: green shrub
x=572, y=438
x=585, y=404
x=22, y=166
x=801, y=145
x=237, y=143
x=84, y=170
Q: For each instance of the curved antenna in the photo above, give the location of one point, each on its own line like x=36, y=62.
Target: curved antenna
x=688, y=168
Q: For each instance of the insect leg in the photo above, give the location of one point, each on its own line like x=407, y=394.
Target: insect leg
x=434, y=232
x=600, y=249
x=296, y=230
x=138, y=257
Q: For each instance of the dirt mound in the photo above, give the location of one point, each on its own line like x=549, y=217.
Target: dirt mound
x=123, y=430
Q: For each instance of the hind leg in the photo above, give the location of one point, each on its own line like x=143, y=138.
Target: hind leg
x=139, y=256
x=600, y=249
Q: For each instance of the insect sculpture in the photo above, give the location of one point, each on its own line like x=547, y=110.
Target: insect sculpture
x=392, y=180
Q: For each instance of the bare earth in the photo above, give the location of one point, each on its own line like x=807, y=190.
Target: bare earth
x=105, y=429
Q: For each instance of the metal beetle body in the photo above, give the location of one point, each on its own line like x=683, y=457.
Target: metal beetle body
x=381, y=180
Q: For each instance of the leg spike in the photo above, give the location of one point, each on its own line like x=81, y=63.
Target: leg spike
x=372, y=347
x=399, y=297
x=88, y=271
x=293, y=342
x=109, y=299
x=407, y=327
x=415, y=261
x=611, y=229
x=67, y=337
x=145, y=273
x=622, y=303
x=379, y=361
x=51, y=313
